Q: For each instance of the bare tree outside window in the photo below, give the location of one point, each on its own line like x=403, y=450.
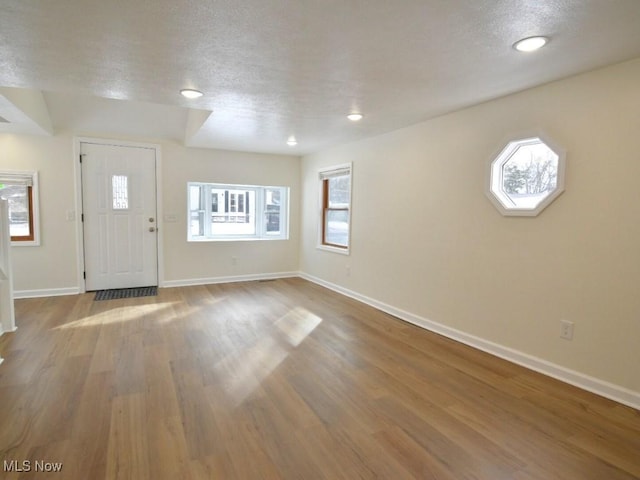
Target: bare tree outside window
x=530, y=173
x=525, y=177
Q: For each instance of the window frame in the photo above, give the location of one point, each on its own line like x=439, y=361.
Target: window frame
x=260, y=212
x=494, y=184
x=30, y=180
x=324, y=175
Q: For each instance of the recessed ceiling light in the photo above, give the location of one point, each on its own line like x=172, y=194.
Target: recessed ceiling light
x=530, y=44
x=292, y=142
x=355, y=117
x=191, y=93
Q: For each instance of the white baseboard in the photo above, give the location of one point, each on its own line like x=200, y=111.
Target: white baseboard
x=228, y=279
x=54, y=292
x=2, y=332
x=578, y=379
x=48, y=292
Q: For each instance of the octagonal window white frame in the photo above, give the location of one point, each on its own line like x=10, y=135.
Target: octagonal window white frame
x=495, y=181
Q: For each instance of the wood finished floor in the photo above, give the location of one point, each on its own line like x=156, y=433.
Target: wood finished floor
x=284, y=380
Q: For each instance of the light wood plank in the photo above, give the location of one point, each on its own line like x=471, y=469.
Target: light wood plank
x=285, y=380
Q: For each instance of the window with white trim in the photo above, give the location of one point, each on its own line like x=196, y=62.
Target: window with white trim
x=237, y=212
x=335, y=200
x=20, y=189
x=526, y=176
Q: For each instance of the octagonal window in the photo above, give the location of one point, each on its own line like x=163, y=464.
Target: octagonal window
x=526, y=176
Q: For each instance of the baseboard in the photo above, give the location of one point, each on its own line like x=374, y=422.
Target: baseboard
x=54, y=292
x=228, y=279
x=3, y=331
x=578, y=379
x=48, y=292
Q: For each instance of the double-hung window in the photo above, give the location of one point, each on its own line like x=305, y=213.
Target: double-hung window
x=20, y=189
x=237, y=212
x=335, y=191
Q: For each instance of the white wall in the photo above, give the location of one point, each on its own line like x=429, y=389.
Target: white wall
x=51, y=268
x=426, y=239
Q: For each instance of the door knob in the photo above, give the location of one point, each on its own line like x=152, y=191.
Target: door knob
x=151, y=219
x=151, y=229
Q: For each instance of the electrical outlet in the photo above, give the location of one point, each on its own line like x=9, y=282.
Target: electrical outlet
x=566, y=329
x=348, y=269
x=234, y=260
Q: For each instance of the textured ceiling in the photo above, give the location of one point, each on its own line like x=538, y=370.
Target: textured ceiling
x=274, y=68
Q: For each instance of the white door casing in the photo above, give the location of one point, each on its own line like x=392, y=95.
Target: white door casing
x=120, y=218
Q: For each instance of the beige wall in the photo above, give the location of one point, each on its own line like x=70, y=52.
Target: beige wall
x=426, y=239
x=53, y=264
x=52, y=267
x=204, y=260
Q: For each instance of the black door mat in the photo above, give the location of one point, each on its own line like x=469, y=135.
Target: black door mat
x=126, y=293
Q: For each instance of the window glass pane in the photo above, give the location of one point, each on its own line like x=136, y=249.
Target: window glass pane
x=218, y=201
x=272, y=210
x=17, y=197
x=214, y=202
x=194, y=197
x=530, y=174
x=119, y=184
x=339, y=190
x=196, y=223
x=196, y=212
x=273, y=220
x=235, y=216
x=337, y=227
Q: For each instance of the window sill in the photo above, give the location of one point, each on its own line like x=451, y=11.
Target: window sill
x=329, y=248
x=29, y=243
x=234, y=239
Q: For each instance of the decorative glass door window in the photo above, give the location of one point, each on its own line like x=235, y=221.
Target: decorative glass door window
x=120, y=189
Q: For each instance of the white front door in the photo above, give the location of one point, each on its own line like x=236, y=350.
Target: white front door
x=119, y=211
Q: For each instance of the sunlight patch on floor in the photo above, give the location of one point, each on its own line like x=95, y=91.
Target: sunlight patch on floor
x=297, y=324
x=117, y=315
x=242, y=373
